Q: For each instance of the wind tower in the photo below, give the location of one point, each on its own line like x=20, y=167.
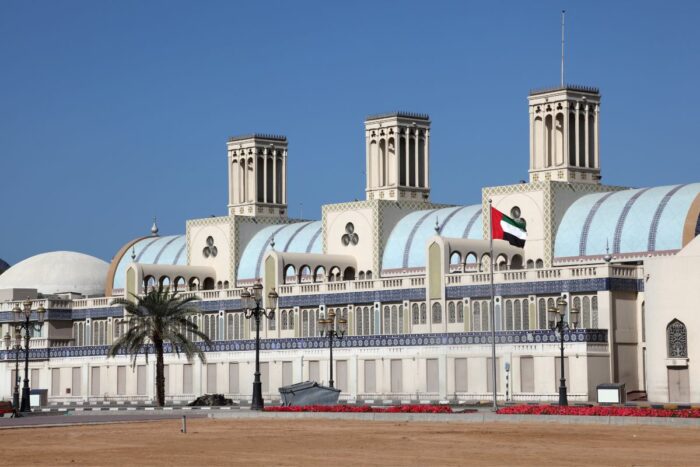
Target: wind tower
x=257, y=175
x=564, y=131
x=397, y=156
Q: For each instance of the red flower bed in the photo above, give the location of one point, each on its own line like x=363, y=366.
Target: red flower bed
x=599, y=411
x=363, y=408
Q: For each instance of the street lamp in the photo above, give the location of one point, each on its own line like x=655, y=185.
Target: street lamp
x=330, y=329
x=22, y=321
x=251, y=301
x=559, y=326
x=16, y=347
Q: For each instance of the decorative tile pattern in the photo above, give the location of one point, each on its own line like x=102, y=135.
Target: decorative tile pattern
x=657, y=216
x=403, y=340
x=623, y=217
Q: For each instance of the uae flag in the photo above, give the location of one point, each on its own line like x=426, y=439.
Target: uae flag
x=508, y=229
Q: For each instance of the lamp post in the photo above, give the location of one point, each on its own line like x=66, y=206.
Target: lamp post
x=251, y=302
x=332, y=330
x=560, y=325
x=16, y=347
x=23, y=322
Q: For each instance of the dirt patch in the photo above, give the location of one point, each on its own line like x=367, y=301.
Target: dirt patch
x=337, y=442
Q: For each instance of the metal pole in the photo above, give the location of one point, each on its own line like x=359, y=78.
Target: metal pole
x=184, y=424
x=257, y=403
x=25, y=388
x=562, y=381
x=331, y=334
x=15, y=395
x=493, y=311
x=563, y=12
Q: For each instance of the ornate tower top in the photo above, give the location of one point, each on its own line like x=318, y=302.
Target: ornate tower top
x=397, y=156
x=257, y=175
x=564, y=134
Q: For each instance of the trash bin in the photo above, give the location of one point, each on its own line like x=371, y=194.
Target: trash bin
x=611, y=393
x=309, y=393
x=38, y=397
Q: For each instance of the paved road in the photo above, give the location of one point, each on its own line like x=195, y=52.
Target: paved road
x=92, y=418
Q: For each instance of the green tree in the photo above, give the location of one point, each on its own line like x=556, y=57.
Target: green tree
x=155, y=318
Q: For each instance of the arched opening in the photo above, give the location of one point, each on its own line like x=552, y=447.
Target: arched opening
x=361, y=275
x=485, y=263
x=402, y=161
x=305, y=274
x=437, y=313
x=194, y=283
x=260, y=179
x=290, y=273
x=421, y=182
x=374, y=163
x=591, y=139
x=208, y=283
x=455, y=258
x=391, y=162
x=368, y=275
x=382, y=162
x=164, y=281
x=219, y=285
x=179, y=283
x=502, y=262
x=516, y=262
x=320, y=274
x=226, y=284
x=149, y=283
x=539, y=264
x=270, y=181
x=250, y=177
x=470, y=261
x=677, y=339
x=572, y=139
x=548, y=141
x=349, y=274
x=538, y=143
x=559, y=139
x=411, y=161
x=530, y=264
x=582, y=139
x=334, y=275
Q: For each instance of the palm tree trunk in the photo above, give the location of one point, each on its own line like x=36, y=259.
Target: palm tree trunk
x=160, y=377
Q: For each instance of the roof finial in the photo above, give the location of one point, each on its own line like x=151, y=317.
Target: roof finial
x=437, y=226
x=133, y=254
x=154, y=227
x=272, y=243
x=607, y=258
x=563, y=12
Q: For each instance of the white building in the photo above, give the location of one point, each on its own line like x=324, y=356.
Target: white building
x=411, y=276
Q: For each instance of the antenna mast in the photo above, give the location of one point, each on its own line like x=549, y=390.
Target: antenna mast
x=563, y=12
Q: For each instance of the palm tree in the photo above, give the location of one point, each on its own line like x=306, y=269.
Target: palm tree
x=159, y=316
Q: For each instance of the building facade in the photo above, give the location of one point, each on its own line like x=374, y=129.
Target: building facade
x=411, y=276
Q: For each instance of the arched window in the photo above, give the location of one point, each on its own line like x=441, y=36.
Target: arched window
x=387, y=320
x=485, y=316
x=423, y=314
x=292, y=313
x=437, y=313
x=539, y=264
x=470, y=260
x=477, y=316
x=209, y=283
x=451, y=313
x=361, y=275
x=400, y=328
x=368, y=275
x=502, y=262
x=542, y=313
x=516, y=262
x=416, y=313
x=455, y=258
x=517, y=322
x=368, y=326
x=586, y=313
x=283, y=319
x=509, y=315
x=349, y=274
x=594, y=312
x=677, y=339
x=530, y=264
x=577, y=304
x=460, y=312
x=394, y=320
x=179, y=283
x=550, y=304
x=526, y=315
x=320, y=274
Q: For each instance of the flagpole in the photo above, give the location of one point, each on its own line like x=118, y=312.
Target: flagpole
x=493, y=311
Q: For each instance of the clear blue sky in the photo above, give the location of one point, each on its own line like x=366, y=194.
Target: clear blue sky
x=114, y=111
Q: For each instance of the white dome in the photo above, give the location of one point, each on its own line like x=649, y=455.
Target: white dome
x=57, y=272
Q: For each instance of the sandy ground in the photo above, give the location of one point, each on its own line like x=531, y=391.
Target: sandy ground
x=334, y=442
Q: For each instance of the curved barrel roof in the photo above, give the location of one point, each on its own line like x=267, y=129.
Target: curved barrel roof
x=170, y=249
x=405, y=247
x=300, y=237
x=629, y=221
